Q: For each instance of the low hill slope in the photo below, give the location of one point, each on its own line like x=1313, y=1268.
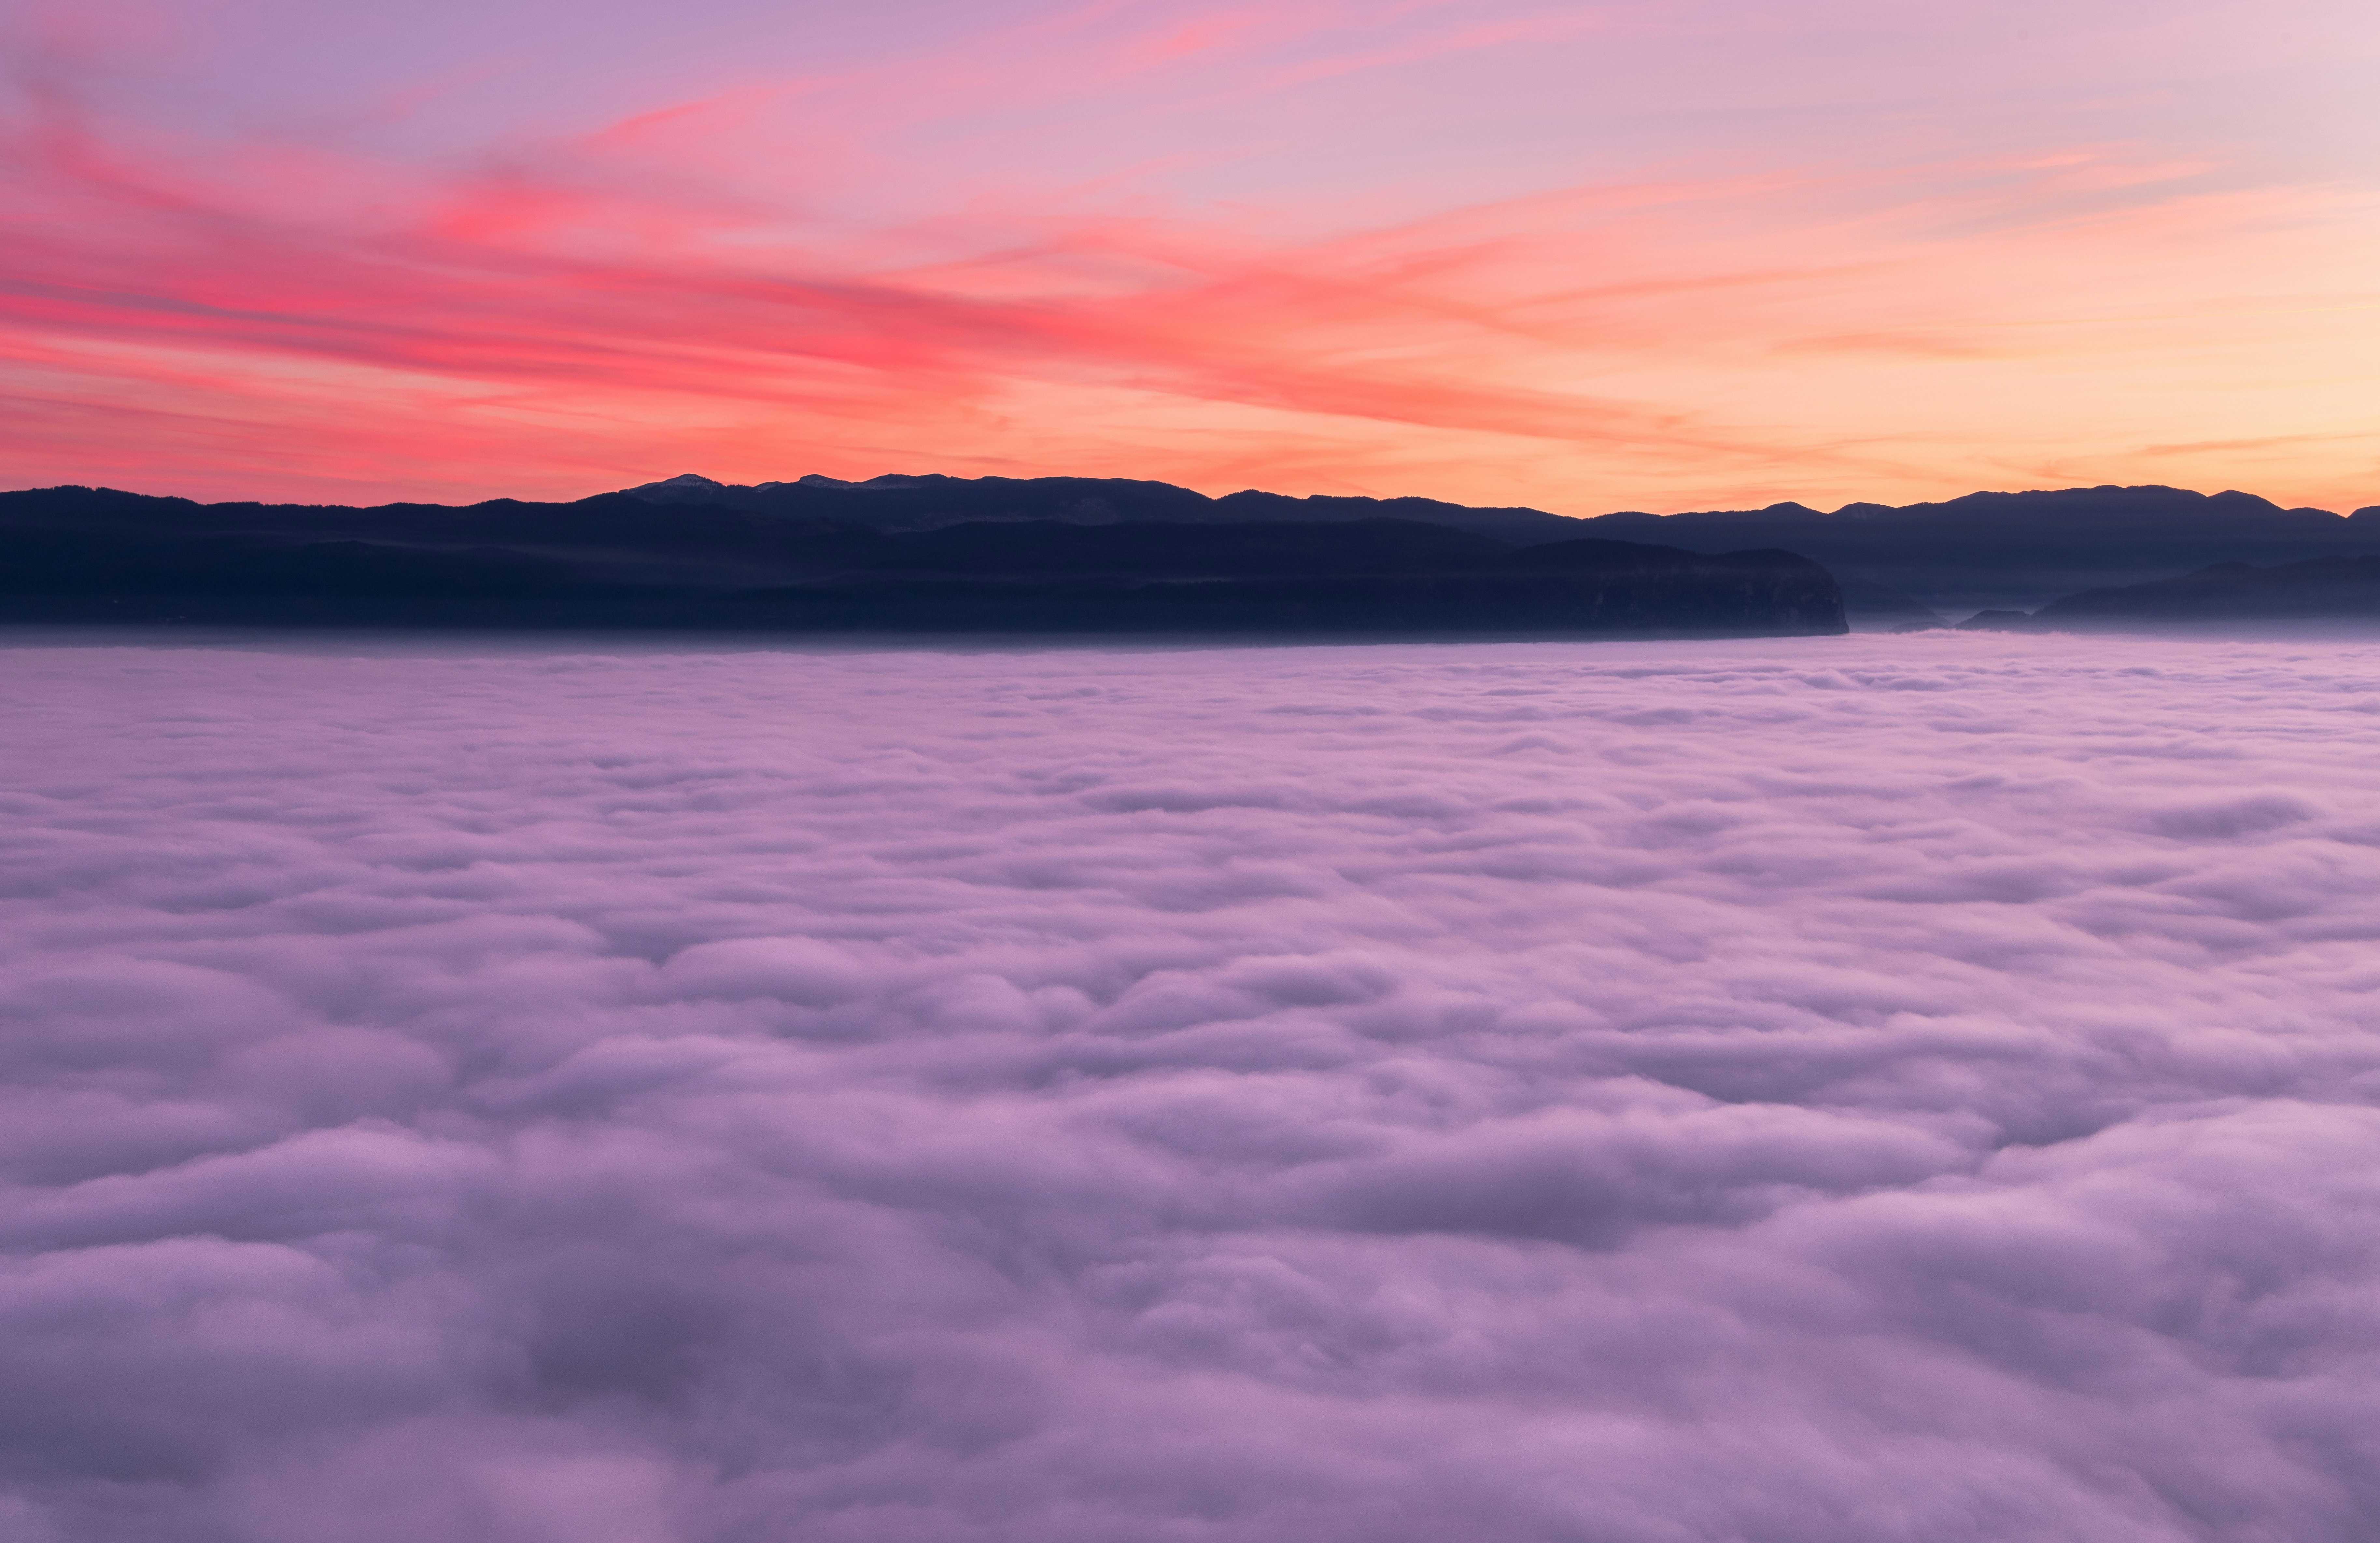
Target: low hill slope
x=2319, y=590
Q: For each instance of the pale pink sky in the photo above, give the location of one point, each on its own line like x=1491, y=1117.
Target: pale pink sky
x=1665, y=255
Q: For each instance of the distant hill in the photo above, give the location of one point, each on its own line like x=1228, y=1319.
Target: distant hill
x=2019, y=550
x=2319, y=590
x=82, y=554
x=1897, y=564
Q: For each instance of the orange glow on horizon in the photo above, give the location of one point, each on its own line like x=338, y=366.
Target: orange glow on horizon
x=240, y=314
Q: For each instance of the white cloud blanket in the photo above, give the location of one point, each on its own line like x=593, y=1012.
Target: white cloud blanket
x=1840, y=1090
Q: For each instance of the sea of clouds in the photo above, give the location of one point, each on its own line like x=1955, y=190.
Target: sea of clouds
x=1822, y=1091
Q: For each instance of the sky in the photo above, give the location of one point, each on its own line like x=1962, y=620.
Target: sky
x=1666, y=255
x=1820, y=1090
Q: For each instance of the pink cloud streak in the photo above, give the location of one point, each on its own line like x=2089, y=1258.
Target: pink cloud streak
x=706, y=283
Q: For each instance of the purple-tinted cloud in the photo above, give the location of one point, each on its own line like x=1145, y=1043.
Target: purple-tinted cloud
x=1845, y=1090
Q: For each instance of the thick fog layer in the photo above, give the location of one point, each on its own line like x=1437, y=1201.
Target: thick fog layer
x=1846, y=1089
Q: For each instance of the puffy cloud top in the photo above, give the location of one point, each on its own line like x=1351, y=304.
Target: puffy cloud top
x=1845, y=1090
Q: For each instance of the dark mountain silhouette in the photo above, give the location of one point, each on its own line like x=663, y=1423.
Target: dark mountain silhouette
x=1897, y=564
x=1159, y=551
x=898, y=504
x=609, y=531
x=687, y=537
x=2000, y=549
x=901, y=503
x=2319, y=590
x=81, y=554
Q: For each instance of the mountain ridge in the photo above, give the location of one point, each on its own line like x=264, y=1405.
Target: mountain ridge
x=1897, y=564
x=82, y=554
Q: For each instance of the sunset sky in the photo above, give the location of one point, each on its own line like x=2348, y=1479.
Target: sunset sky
x=1695, y=254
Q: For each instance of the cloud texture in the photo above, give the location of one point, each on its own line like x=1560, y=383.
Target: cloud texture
x=1587, y=255
x=1844, y=1089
